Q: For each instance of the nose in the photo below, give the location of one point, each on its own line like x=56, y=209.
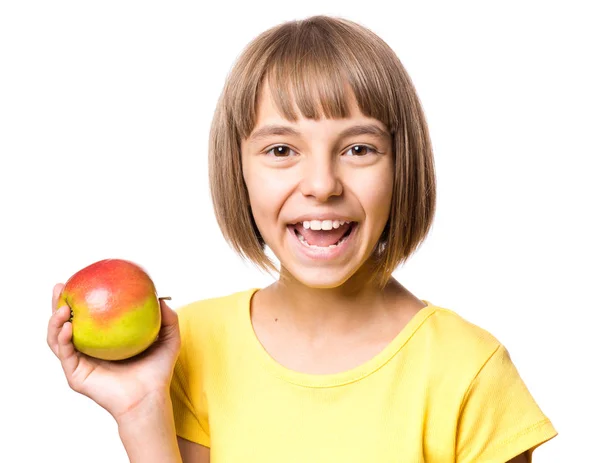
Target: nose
x=320, y=178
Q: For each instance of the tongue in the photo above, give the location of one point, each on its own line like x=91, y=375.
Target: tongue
x=322, y=238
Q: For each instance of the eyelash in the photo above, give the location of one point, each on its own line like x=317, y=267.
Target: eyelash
x=372, y=150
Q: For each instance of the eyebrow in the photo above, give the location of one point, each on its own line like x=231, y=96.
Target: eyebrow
x=362, y=129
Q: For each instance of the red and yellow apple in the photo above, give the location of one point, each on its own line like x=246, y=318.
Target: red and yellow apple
x=115, y=311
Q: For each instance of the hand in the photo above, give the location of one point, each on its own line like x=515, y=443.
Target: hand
x=118, y=386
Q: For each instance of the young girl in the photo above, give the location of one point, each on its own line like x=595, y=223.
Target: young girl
x=319, y=150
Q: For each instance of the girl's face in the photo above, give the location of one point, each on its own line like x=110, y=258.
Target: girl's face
x=305, y=179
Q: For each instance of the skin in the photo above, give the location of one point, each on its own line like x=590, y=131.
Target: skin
x=134, y=391
x=318, y=173
x=312, y=172
x=520, y=459
x=318, y=170
x=321, y=310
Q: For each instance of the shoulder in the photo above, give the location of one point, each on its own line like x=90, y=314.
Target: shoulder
x=214, y=318
x=475, y=378
x=455, y=334
x=214, y=308
x=456, y=349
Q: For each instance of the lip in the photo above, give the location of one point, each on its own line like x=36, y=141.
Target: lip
x=324, y=253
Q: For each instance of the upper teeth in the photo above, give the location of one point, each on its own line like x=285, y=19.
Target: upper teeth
x=323, y=224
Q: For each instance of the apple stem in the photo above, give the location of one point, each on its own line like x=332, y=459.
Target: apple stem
x=166, y=298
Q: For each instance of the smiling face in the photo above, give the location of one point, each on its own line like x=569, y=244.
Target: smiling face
x=305, y=179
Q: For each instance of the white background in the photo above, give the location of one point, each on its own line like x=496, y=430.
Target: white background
x=105, y=110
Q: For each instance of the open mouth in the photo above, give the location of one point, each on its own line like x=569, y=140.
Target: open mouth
x=324, y=238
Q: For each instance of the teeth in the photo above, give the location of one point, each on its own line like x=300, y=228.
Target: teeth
x=323, y=224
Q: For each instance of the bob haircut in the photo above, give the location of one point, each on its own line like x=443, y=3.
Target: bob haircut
x=312, y=63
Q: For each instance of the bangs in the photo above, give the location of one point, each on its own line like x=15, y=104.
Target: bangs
x=316, y=72
x=323, y=68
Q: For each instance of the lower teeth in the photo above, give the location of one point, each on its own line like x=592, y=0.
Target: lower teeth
x=314, y=246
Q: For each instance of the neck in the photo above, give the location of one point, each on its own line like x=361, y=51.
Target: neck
x=333, y=311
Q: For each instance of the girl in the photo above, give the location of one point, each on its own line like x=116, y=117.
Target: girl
x=319, y=150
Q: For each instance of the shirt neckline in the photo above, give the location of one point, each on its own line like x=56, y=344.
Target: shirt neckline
x=332, y=379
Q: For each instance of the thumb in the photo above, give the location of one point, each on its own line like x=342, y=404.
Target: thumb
x=167, y=315
x=169, y=329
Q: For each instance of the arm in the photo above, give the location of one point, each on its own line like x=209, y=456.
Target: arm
x=148, y=432
x=192, y=452
x=520, y=459
x=148, y=435
x=499, y=418
x=189, y=403
x=135, y=391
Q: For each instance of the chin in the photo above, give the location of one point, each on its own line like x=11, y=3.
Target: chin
x=319, y=278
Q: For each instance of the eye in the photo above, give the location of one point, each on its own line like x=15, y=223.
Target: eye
x=280, y=151
x=360, y=150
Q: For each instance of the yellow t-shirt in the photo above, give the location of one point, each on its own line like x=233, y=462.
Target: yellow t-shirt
x=444, y=390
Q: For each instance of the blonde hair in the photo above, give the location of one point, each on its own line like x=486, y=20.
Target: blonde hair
x=312, y=63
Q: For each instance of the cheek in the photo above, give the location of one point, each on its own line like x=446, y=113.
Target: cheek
x=375, y=193
x=267, y=190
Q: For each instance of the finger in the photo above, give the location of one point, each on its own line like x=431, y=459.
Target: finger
x=167, y=314
x=55, y=324
x=169, y=330
x=67, y=354
x=56, y=294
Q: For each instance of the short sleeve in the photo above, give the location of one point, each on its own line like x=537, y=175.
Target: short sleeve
x=186, y=394
x=499, y=418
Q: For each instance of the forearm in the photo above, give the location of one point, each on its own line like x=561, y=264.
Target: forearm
x=148, y=433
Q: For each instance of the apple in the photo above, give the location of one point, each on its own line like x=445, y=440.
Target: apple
x=115, y=311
